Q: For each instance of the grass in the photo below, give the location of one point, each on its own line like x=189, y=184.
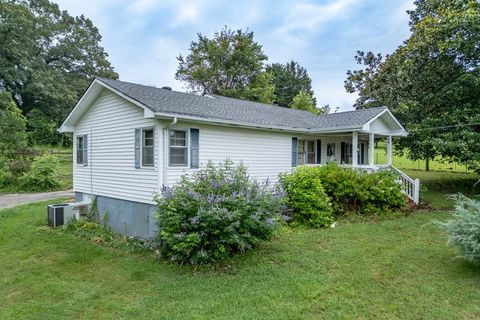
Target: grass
x=402, y=162
x=399, y=268
x=435, y=186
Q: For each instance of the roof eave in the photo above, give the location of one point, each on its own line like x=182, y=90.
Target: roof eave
x=184, y=117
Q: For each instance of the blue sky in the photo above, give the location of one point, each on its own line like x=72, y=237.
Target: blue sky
x=144, y=37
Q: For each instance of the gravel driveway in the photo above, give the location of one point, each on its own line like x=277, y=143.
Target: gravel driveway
x=8, y=200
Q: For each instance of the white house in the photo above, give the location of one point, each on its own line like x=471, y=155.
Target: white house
x=130, y=140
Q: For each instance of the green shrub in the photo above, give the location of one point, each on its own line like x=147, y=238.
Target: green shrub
x=5, y=173
x=464, y=229
x=349, y=191
x=354, y=191
x=41, y=176
x=305, y=194
x=216, y=213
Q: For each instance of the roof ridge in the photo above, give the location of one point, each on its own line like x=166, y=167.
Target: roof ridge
x=242, y=100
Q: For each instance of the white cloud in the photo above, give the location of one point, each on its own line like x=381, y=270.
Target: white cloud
x=143, y=6
x=187, y=13
x=310, y=16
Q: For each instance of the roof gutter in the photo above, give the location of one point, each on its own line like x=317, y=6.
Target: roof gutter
x=227, y=122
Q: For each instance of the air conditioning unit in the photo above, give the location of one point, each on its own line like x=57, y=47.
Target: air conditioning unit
x=61, y=213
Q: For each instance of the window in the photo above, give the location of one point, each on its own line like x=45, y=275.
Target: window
x=178, y=148
x=80, y=150
x=306, y=152
x=148, y=153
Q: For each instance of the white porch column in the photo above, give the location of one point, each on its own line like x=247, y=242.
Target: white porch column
x=355, y=148
x=371, y=149
x=389, y=150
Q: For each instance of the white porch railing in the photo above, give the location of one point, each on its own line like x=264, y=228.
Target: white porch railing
x=411, y=187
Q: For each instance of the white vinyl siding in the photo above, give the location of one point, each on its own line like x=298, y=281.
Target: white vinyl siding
x=265, y=153
x=110, y=124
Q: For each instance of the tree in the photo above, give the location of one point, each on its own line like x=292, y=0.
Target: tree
x=289, y=80
x=304, y=101
x=226, y=65
x=47, y=57
x=431, y=82
x=261, y=89
x=42, y=130
x=12, y=126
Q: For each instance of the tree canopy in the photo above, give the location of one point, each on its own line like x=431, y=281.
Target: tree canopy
x=48, y=57
x=289, y=79
x=12, y=126
x=431, y=82
x=305, y=101
x=232, y=64
x=224, y=65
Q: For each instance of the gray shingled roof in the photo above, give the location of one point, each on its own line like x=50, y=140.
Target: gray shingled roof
x=236, y=110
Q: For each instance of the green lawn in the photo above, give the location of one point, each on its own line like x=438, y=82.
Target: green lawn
x=402, y=162
x=399, y=268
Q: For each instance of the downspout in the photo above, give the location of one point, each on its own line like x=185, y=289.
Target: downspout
x=165, y=149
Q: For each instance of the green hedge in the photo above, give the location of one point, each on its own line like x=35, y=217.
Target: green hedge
x=348, y=191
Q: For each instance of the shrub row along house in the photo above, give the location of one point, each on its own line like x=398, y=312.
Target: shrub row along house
x=131, y=139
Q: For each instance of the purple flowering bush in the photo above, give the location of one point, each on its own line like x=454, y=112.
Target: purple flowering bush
x=217, y=212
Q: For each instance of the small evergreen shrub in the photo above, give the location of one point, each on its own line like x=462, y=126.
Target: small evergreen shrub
x=217, y=212
x=463, y=230
x=41, y=176
x=305, y=194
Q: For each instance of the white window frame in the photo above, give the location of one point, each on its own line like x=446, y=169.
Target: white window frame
x=79, y=149
x=187, y=147
x=305, y=153
x=142, y=145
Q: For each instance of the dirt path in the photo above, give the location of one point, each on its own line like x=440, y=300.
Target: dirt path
x=8, y=200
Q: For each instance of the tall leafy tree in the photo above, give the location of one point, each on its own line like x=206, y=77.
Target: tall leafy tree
x=290, y=79
x=431, y=82
x=48, y=57
x=228, y=64
x=12, y=126
x=304, y=101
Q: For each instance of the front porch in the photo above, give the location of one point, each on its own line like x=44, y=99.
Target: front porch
x=356, y=148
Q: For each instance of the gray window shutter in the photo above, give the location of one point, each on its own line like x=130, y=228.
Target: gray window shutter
x=294, y=151
x=138, y=143
x=319, y=151
x=85, y=150
x=194, y=148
